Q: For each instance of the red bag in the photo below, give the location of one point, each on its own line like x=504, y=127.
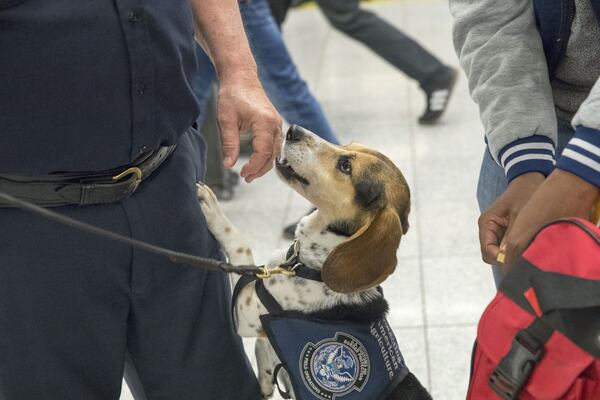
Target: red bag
x=539, y=339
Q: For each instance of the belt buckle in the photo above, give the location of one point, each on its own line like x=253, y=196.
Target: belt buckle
x=134, y=172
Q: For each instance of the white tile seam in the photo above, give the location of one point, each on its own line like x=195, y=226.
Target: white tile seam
x=415, y=189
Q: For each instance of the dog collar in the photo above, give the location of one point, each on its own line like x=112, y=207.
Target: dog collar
x=293, y=264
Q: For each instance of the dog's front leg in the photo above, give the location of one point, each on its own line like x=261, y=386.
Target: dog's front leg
x=265, y=364
x=267, y=360
x=248, y=308
x=237, y=250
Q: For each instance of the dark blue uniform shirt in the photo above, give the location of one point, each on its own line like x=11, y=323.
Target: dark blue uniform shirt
x=89, y=85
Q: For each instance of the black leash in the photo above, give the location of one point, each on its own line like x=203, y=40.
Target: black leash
x=177, y=257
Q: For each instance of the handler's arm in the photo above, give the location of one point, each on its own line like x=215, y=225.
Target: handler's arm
x=243, y=104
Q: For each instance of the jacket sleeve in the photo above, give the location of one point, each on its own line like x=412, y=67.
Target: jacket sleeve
x=501, y=51
x=582, y=155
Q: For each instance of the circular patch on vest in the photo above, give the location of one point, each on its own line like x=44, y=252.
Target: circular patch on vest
x=335, y=367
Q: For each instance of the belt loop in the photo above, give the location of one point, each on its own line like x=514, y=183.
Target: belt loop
x=85, y=195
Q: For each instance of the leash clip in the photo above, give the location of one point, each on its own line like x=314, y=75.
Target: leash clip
x=266, y=273
x=288, y=268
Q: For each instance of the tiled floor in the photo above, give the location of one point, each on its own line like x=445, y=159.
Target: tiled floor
x=440, y=286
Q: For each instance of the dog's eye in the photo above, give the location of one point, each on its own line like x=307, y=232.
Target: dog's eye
x=345, y=166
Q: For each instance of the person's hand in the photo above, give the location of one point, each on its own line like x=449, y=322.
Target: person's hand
x=243, y=105
x=498, y=218
x=561, y=195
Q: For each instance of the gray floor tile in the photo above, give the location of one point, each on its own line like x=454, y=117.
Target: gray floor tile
x=447, y=179
x=378, y=86
x=435, y=37
x=449, y=228
x=449, y=360
x=457, y=289
x=413, y=348
x=403, y=292
x=458, y=139
x=410, y=242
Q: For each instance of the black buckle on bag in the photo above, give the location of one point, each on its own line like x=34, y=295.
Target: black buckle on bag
x=514, y=370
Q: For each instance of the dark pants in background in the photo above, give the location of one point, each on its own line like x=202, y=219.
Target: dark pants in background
x=381, y=37
x=279, y=9
x=73, y=305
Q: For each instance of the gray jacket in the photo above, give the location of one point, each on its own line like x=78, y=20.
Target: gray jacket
x=501, y=51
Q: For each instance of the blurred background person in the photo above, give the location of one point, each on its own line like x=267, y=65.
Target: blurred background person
x=435, y=79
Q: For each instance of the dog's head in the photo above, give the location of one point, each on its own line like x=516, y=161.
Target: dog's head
x=361, y=194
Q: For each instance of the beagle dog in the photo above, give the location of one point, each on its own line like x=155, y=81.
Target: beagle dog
x=362, y=204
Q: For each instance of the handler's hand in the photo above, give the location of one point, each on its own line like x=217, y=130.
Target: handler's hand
x=243, y=105
x=561, y=195
x=498, y=218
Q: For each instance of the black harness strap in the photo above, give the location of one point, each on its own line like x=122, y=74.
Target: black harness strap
x=237, y=290
x=270, y=303
x=302, y=271
x=294, y=264
x=284, y=394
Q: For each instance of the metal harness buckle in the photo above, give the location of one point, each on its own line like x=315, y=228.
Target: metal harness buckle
x=288, y=268
x=514, y=370
x=266, y=273
x=134, y=172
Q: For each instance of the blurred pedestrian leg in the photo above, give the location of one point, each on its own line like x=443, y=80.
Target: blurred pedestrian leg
x=279, y=9
x=404, y=53
x=383, y=38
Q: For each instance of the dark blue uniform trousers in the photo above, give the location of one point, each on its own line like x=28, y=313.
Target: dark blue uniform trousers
x=72, y=305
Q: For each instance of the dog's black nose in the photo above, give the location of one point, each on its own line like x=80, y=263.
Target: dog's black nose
x=294, y=134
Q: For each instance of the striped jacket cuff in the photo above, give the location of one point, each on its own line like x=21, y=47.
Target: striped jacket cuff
x=581, y=157
x=532, y=154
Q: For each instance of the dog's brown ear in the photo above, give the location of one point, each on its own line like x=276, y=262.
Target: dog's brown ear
x=367, y=257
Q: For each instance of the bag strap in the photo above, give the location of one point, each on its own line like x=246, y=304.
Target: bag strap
x=568, y=304
x=559, y=292
x=554, y=291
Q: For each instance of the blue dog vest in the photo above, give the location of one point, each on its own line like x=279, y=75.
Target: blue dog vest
x=330, y=360
x=325, y=359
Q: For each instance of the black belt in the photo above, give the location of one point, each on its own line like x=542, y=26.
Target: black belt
x=83, y=189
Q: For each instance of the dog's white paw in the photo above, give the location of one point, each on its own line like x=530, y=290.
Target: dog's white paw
x=209, y=205
x=206, y=195
x=266, y=387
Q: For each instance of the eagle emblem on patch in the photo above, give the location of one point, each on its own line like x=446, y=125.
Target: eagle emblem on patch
x=335, y=367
